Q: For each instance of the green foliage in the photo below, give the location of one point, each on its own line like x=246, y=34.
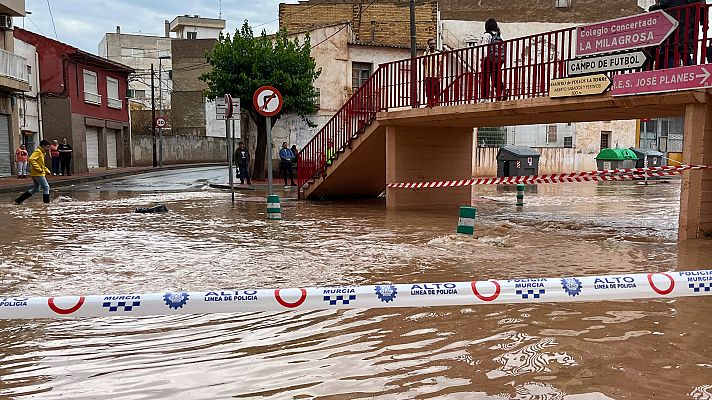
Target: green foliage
x=243, y=63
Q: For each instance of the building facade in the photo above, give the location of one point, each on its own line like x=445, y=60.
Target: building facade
x=83, y=98
x=140, y=52
x=13, y=83
x=29, y=109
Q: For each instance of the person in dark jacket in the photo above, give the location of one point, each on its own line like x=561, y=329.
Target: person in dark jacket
x=295, y=152
x=285, y=164
x=680, y=45
x=242, y=159
x=65, y=157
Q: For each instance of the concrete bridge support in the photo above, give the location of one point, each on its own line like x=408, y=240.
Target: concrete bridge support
x=696, y=193
x=418, y=154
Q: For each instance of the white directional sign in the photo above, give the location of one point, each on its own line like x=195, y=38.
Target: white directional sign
x=220, y=108
x=613, y=62
x=267, y=101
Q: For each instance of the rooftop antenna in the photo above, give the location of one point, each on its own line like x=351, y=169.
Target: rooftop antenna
x=219, y=9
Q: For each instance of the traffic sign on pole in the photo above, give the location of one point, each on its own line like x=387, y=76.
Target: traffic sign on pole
x=579, y=86
x=220, y=108
x=267, y=101
x=665, y=80
x=627, y=33
x=228, y=106
x=606, y=63
x=161, y=122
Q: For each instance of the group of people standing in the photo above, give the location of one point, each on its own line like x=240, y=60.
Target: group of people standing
x=287, y=163
x=36, y=166
x=491, y=82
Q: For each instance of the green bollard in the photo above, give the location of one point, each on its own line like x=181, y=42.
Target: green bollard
x=274, y=210
x=466, y=223
x=520, y=195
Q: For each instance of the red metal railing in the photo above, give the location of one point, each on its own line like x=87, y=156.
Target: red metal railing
x=514, y=69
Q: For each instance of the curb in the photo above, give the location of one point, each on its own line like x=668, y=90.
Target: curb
x=11, y=188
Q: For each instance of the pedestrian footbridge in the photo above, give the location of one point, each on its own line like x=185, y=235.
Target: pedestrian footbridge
x=402, y=126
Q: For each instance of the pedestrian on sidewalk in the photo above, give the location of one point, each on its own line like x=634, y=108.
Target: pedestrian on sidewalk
x=285, y=164
x=54, y=154
x=65, y=157
x=242, y=157
x=38, y=170
x=21, y=159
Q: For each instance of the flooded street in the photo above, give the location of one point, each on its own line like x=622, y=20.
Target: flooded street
x=90, y=241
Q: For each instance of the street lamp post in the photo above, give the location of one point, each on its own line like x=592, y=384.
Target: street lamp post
x=160, y=106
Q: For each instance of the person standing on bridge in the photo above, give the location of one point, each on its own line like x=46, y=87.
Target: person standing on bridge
x=679, y=47
x=493, y=62
x=432, y=72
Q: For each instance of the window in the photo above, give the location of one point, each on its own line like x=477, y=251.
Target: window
x=317, y=98
x=359, y=74
x=91, y=89
x=605, y=139
x=139, y=94
x=192, y=35
x=568, y=142
x=112, y=93
x=552, y=134
x=132, y=52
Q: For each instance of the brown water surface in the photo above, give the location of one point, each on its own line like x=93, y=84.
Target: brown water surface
x=91, y=242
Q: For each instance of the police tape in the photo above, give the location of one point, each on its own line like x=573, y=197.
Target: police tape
x=660, y=285
x=571, y=177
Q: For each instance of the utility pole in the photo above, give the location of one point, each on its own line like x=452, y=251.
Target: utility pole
x=153, y=119
x=413, y=55
x=160, y=107
x=413, y=51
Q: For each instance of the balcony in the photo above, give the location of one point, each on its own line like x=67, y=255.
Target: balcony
x=13, y=72
x=114, y=103
x=92, y=98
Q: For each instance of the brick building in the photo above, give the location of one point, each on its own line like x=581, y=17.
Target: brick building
x=551, y=11
x=83, y=98
x=372, y=22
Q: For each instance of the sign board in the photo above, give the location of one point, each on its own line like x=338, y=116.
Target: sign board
x=579, y=86
x=161, y=122
x=228, y=106
x=664, y=80
x=606, y=63
x=267, y=101
x=637, y=31
x=220, y=108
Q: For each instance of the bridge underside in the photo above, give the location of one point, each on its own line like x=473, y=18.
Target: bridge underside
x=409, y=146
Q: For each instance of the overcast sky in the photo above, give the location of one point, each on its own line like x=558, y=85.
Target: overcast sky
x=82, y=23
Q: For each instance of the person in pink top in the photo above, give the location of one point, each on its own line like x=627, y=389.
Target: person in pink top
x=54, y=154
x=21, y=158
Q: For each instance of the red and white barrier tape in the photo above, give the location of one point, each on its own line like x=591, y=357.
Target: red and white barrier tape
x=591, y=176
x=662, y=285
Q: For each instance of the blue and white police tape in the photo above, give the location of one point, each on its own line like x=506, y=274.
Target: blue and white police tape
x=661, y=285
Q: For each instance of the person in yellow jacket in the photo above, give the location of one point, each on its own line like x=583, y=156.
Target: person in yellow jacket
x=38, y=170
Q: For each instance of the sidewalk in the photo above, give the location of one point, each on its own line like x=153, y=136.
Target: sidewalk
x=12, y=184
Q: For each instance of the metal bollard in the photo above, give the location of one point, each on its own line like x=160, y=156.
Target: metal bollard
x=274, y=210
x=466, y=223
x=520, y=195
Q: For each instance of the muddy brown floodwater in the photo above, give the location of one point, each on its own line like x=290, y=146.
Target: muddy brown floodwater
x=91, y=242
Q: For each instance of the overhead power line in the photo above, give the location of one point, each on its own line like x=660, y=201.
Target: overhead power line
x=52, y=18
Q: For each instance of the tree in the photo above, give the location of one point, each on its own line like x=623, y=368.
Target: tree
x=242, y=63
